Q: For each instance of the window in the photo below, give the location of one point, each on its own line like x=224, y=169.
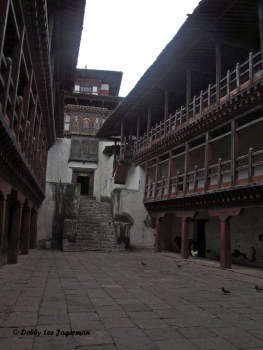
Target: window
x=76, y=89
x=84, y=149
x=67, y=122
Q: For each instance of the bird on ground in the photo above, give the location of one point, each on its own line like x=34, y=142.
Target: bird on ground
x=194, y=252
x=225, y=292
x=143, y=263
x=179, y=265
x=258, y=288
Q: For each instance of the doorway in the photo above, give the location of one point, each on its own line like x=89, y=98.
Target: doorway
x=84, y=177
x=200, y=238
x=84, y=182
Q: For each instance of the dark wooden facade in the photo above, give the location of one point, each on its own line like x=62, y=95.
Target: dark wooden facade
x=39, y=44
x=194, y=120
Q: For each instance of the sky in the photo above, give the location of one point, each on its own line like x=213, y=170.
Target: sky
x=128, y=35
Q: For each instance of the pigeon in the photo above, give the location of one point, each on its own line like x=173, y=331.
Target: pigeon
x=179, y=265
x=143, y=263
x=258, y=288
x=226, y=292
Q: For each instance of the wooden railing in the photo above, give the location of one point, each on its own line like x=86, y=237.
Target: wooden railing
x=241, y=78
x=248, y=169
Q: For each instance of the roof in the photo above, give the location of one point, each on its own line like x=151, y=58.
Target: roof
x=113, y=78
x=232, y=23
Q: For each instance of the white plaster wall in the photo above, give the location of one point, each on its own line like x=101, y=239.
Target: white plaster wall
x=57, y=163
x=45, y=215
x=131, y=202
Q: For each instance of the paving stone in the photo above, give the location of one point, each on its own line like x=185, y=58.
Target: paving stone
x=211, y=343
x=16, y=343
x=196, y=332
x=53, y=319
x=175, y=344
x=21, y=319
x=117, y=322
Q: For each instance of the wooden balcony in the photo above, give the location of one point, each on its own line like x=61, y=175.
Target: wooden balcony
x=123, y=162
x=244, y=171
x=234, y=85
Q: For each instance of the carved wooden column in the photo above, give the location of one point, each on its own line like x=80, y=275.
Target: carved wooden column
x=158, y=218
x=25, y=229
x=225, y=237
x=12, y=257
x=185, y=215
x=5, y=189
x=225, y=243
x=3, y=198
x=33, y=229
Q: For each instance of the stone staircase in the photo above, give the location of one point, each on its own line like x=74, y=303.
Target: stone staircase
x=95, y=229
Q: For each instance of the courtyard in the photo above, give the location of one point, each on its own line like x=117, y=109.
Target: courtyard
x=130, y=300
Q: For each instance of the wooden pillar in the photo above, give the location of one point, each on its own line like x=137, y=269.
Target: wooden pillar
x=188, y=92
x=25, y=230
x=33, y=229
x=260, y=17
x=218, y=71
x=12, y=257
x=225, y=238
x=158, y=247
x=185, y=238
x=149, y=120
x=166, y=109
x=3, y=198
x=225, y=243
x=234, y=151
x=207, y=159
x=122, y=133
x=185, y=216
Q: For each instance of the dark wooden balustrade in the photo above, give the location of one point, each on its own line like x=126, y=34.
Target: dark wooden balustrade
x=235, y=81
x=248, y=170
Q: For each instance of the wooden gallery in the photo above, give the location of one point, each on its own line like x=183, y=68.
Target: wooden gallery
x=194, y=124
x=39, y=44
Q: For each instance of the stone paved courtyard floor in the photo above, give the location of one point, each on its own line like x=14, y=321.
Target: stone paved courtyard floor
x=124, y=304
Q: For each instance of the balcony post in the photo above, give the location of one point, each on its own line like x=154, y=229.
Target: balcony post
x=170, y=173
x=260, y=18
x=234, y=151
x=3, y=23
x=218, y=71
x=166, y=109
x=207, y=159
x=186, y=163
x=157, y=174
x=250, y=165
x=188, y=92
x=149, y=121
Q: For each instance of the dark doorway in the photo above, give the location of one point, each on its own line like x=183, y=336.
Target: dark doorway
x=84, y=181
x=200, y=237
